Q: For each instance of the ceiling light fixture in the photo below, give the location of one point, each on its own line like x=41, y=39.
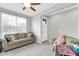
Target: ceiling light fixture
x=27, y=5
x=30, y=5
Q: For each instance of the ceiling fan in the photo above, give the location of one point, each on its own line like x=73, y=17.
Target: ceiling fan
x=30, y=5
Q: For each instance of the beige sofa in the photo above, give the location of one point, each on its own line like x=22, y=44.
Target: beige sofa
x=20, y=40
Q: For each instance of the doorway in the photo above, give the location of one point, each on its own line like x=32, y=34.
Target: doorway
x=44, y=28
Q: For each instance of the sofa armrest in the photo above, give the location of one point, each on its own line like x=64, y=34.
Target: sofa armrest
x=34, y=37
x=4, y=44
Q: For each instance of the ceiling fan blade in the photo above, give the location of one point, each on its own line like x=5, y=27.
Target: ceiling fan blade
x=35, y=3
x=24, y=8
x=33, y=8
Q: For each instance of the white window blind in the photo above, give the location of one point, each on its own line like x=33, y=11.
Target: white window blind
x=21, y=24
x=13, y=24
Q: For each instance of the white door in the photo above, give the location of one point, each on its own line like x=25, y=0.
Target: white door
x=44, y=29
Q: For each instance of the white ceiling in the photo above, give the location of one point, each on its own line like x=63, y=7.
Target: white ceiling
x=17, y=7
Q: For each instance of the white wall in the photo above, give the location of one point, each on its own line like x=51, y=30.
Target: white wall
x=36, y=27
x=63, y=23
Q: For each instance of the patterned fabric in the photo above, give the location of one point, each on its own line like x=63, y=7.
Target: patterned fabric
x=30, y=35
x=64, y=50
x=9, y=38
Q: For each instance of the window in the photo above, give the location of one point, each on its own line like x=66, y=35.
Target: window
x=12, y=24
x=8, y=20
x=21, y=24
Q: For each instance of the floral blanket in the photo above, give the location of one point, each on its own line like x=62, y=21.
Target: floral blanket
x=65, y=50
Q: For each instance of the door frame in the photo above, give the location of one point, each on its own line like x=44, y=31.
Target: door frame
x=41, y=27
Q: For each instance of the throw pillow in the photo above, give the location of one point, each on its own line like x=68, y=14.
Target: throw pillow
x=30, y=35
x=9, y=38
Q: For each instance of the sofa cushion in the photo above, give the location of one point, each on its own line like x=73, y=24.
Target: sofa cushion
x=19, y=41
x=20, y=35
x=25, y=35
x=13, y=42
x=15, y=35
